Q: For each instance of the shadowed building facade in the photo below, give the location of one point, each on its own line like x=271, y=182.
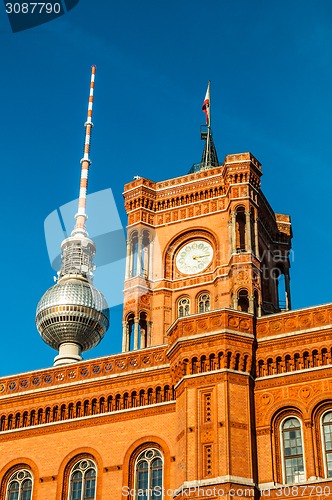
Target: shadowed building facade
x=220, y=391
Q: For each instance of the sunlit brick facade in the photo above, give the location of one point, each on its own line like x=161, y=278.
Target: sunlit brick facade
x=220, y=391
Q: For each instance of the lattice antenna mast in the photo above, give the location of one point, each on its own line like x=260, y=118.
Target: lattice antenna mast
x=85, y=164
x=78, y=250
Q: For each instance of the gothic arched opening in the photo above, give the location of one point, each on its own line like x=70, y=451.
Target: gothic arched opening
x=240, y=220
x=243, y=301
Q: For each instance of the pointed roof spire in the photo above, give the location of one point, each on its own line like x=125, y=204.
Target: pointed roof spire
x=209, y=156
x=85, y=162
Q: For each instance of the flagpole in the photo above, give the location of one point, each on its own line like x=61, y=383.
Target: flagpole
x=209, y=90
x=206, y=158
x=209, y=127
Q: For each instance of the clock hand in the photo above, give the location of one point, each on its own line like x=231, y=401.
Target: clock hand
x=200, y=256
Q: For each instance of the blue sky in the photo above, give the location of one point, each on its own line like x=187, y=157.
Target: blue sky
x=270, y=64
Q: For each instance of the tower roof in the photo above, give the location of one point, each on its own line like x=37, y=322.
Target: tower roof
x=209, y=155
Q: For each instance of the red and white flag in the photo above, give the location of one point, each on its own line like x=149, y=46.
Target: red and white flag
x=206, y=105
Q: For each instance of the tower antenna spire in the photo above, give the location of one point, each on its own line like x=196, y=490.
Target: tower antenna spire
x=85, y=164
x=73, y=316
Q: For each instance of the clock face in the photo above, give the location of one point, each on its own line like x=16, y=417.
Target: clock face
x=194, y=257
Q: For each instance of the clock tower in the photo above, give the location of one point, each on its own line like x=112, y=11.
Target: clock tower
x=202, y=242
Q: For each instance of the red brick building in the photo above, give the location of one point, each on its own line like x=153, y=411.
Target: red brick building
x=221, y=390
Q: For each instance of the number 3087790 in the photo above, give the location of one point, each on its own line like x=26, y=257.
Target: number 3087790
x=33, y=8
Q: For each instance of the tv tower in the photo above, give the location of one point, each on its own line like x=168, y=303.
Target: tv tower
x=73, y=316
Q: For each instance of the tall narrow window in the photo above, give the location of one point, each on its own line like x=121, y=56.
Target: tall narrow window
x=149, y=475
x=252, y=231
x=243, y=300
x=327, y=432
x=19, y=486
x=143, y=331
x=204, y=303
x=281, y=289
x=240, y=230
x=133, y=255
x=83, y=481
x=256, y=303
x=183, y=307
x=293, y=451
x=145, y=257
x=130, y=331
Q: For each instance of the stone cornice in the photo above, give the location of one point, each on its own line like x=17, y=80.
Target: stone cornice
x=122, y=364
x=294, y=322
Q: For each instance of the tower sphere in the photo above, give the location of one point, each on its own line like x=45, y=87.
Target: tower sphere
x=72, y=311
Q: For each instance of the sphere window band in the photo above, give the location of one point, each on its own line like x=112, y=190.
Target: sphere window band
x=20, y=486
x=194, y=257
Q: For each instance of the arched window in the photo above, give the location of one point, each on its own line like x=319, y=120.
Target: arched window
x=183, y=307
x=240, y=230
x=149, y=475
x=2, y=423
x=252, y=231
x=288, y=363
x=130, y=331
x=327, y=433
x=19, y=486
x=133, y=254
x=279, y=364
x=256, y=304
x=270, y=366
x=144, y=341
x=145, y=258
x=83, y=481
x=243, y=301
x=203, y=303
x=306, y=359
x=281, y=290
x=265, y=278
x=292, y=451
x=137, y=331
x=261, y=372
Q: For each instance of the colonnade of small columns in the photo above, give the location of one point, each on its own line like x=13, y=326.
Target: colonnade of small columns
x=252, y=307
x=139, y=254
x=87, y=407
x=243, y=238
x=136, y=332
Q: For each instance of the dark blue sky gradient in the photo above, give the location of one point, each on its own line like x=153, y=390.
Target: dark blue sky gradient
x=270, y=64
